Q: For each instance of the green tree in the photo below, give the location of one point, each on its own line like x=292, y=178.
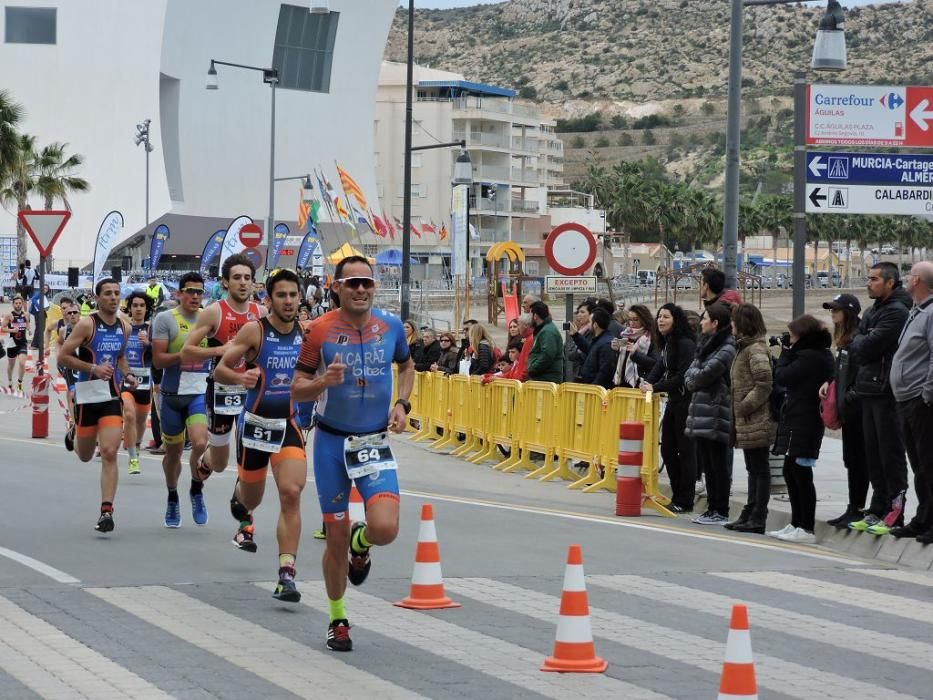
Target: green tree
x=56, y=175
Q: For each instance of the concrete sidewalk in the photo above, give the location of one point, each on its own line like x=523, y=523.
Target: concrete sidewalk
x=829, y=477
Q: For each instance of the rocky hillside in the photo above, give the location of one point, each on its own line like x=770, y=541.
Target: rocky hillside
x=571, y=52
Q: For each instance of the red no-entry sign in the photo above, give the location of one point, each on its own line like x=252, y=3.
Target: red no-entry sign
x=251, y=235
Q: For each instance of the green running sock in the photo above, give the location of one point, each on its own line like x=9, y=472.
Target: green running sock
x=338, y=610
x=359, y=543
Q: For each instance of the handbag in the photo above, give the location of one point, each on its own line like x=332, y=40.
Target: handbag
x=828, y=411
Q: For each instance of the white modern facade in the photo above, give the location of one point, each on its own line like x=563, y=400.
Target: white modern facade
x=515, y=154
x=104, y=66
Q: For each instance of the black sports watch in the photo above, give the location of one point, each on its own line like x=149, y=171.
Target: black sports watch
x=404, y=404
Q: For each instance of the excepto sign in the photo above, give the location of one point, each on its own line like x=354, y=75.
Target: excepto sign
x=870, y=168
x=570, y=249
x=869, y=199
x=554, y=284
x=879, y=115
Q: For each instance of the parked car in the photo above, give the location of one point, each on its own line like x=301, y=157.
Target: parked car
x=647, y=278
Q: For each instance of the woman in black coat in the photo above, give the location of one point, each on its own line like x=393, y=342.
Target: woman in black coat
x=805, y=364
x=845, y=313
x=709, y=418
x=678, y=346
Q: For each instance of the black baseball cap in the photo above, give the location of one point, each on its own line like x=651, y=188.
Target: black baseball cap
x=841, y=302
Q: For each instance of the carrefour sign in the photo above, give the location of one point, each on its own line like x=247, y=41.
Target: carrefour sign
x=880, y=115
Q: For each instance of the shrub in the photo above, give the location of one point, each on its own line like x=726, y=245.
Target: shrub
x=577, y=142
x=619, y=121
x=626, y=140
x=602, y=142
x=649, y=138
x=590, y=122
x=528, y=92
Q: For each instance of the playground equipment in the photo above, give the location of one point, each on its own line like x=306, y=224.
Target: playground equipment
x=506, y=268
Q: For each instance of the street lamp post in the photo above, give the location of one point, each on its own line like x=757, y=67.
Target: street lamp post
x=829, y=54
x=463, y=175
x=142, y=139
x=271, y=77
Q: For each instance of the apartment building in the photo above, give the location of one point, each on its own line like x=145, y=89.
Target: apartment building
x=515, y=153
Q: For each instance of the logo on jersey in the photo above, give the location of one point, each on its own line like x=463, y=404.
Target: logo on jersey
x=272, y=337
x=343, y=339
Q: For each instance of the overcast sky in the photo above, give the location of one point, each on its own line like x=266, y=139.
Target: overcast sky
x=420, y=4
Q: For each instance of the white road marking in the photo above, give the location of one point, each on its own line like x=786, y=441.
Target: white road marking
x=792, y=679
x=921, y=578
x=54, y=665
x=36, y=565
x=617, y=522
x=909, y=608
x=817, y=629
x=299, y=669
x=804, y=551
x=497, y=658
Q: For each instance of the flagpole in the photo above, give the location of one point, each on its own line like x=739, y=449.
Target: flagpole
x=405, y=291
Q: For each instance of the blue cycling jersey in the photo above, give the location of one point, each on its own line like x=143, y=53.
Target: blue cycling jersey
x=361, y=403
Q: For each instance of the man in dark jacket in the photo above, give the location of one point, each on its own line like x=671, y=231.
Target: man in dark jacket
x=600, y=362
x=546, y=361
x=430, y=352
x=912, y=384
x=872, y=350
x=713, y=289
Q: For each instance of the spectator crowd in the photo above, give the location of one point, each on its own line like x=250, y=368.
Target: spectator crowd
x=729, y=386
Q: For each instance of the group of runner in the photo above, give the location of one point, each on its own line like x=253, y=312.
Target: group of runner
x=237, y=361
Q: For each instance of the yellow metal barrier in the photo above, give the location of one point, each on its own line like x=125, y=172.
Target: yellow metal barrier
x=571, y=422
x=580, y=409
x=535, y=427
x=458, y=405
x=621, y=405
x=475, y=419
x=500, y=415
x=416, y=415
x=427, y=406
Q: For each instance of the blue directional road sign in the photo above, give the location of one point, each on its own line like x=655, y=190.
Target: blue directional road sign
x=904, y=169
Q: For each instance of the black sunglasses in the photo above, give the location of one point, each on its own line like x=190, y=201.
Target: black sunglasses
x=357, y=282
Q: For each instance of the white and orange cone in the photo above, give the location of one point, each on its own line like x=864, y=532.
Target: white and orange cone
x=30, y=362
x=738, y=669
x=357, y=507
x=574, y=651
x=427, y=583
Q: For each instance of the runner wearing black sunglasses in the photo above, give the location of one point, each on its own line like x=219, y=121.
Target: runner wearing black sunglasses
x=346, y=365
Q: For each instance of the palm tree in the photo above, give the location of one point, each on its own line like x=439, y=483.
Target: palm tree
x=10, y=115
x=56, y=175
x=18, y=182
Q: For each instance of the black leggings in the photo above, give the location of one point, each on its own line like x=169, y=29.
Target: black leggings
x=801, y=492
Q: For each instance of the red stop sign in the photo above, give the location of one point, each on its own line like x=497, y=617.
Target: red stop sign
x=251, y=235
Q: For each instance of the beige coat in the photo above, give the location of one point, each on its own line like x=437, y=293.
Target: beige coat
x=751, y=392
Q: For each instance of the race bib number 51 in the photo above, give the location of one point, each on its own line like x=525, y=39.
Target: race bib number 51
x=263, y=434
x=367, y=454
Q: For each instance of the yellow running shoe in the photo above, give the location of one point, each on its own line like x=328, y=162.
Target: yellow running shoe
x=134, y=466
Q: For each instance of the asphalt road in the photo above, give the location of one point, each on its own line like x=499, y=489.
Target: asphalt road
x=151, y=612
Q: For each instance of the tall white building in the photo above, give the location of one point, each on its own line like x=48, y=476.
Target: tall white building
x=88, y=71
x=515, y=154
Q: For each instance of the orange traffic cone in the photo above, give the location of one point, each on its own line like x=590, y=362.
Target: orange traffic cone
x=574, y=651
x=357, y=508
x=738, y=669
x=427, y=583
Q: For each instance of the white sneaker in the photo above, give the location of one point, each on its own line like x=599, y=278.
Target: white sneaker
x=786, y=530
x=800, y=536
